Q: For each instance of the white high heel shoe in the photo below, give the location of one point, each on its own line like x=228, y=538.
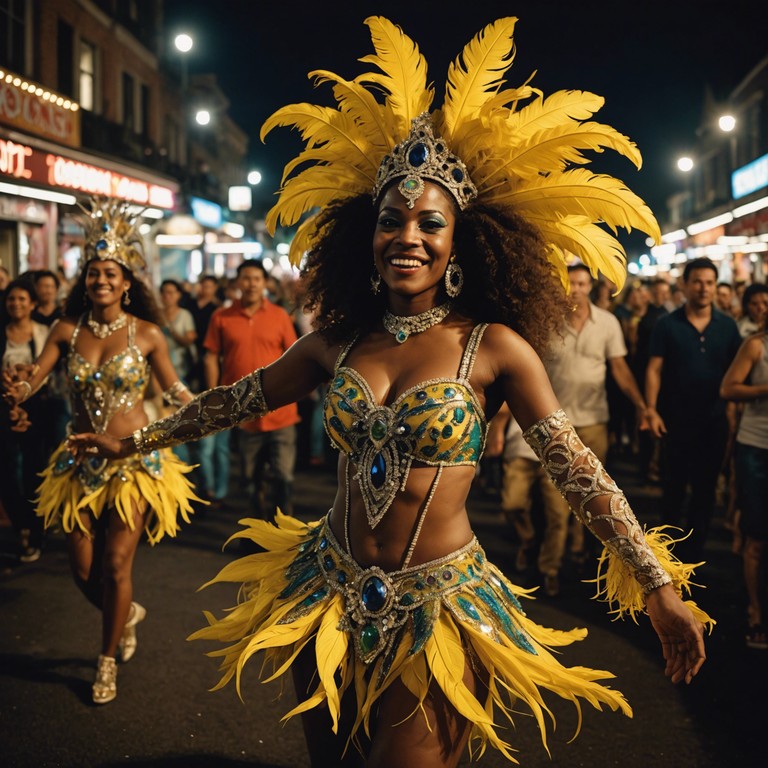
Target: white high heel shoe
x=105, y=685
x=129, y=642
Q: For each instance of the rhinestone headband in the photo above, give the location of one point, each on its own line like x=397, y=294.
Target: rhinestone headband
x=422, y=157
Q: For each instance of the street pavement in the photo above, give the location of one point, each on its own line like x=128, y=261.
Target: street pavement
x=165, y=714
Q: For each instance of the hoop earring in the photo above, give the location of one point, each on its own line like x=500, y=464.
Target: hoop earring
x=375, y=281
x=126, y=298
x=454, y=278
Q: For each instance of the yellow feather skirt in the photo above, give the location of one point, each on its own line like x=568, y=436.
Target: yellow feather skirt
x=70, y=491
x=423, y=626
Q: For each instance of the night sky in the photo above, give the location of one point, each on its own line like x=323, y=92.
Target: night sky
x=652, y=61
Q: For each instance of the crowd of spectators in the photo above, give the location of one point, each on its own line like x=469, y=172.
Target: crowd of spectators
x=646, y=374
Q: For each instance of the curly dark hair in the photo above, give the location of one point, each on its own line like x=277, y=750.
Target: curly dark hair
x=143, y=304
x=507, y=276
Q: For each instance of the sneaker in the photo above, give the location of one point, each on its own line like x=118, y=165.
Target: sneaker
x=30, y=554
x=551, y=585
x=521, y=559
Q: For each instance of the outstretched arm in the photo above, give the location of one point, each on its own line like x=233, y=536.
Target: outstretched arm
x=294, y=375
x=598, y=503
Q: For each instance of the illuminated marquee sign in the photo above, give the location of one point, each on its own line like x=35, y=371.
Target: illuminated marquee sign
x=22, y=162
x=31, y=108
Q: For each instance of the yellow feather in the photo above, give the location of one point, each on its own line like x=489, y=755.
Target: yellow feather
x=555, y=148
x=579, y=192
x=405, y=73
x=330, y=648
x=314, y=187
x=370, y=117
x=561, y=107
x=600, y=251
x=476, y=75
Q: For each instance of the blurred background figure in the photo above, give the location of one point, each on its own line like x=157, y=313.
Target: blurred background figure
x=725, y=300
x=746, y=381
x=754, y=307
x=179, y=330
x=691, y=349
x=202, y=308
x=250, y=333
x=22, y=453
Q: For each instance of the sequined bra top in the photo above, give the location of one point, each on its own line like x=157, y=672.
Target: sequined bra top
x=116, y=385
x=438, y=422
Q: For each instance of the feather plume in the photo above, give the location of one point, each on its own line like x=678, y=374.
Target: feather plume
x=404, y=77
x=476, y=75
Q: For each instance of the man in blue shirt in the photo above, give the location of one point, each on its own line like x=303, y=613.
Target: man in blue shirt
x=690, y=351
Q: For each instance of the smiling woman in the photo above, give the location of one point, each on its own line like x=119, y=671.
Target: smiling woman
x=105, y=506
x=432, y=265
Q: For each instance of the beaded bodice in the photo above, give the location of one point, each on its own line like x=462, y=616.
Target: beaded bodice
x=438, y=422
x=115, y=386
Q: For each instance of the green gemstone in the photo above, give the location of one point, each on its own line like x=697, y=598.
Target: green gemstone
x=369, y=637
x=401, y=336
x=410, y=184
x=378, y=430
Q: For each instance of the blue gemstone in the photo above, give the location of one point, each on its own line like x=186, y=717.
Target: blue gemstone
x=458, y=415
x=105, y=227
x=458, y=175
x=421, y=395
x=418, y=155
x=378, y=471
x=323, y=545
x=328, y=563
x=341, y=577
x=374, y=594
x=447, y=430
x=335, y=422
x=450, y=393
x=351, y=393
x=101, y=245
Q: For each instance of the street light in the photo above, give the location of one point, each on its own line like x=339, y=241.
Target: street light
x=183, y=43
x=254, y=178
x=727, y=123
x=685, y=164
x=202, y=117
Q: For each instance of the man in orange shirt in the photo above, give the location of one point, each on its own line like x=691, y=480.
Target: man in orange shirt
x=251, y=333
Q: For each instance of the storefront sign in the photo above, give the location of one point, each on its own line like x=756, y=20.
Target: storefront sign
x=33, y=109
x=750, y=178
x=208, y=213
x=23, y=162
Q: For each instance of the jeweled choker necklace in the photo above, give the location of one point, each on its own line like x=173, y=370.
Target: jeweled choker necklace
x=102, y=330
x=402, y=327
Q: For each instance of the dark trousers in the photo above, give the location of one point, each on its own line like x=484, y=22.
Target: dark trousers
x=692, y=456
x=21, y=459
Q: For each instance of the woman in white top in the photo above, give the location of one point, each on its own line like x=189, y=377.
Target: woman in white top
x=21, y=454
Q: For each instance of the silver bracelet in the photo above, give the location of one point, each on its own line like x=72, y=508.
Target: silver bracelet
x=28, y=393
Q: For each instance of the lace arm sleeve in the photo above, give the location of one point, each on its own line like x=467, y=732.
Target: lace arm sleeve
x=594, y=497
x=211, y=411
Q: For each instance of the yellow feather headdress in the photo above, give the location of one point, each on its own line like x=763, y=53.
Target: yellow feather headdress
x=527, y=156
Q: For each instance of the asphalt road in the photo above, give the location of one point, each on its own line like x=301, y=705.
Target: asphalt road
x=165, y=715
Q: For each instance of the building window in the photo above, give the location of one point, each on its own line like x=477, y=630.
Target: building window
x=13, y=16
x=129, y=103
x=171, y=139
x=65, y=58
x=145, y=110
x=87, y=75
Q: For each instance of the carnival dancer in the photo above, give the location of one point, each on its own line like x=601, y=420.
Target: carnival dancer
x=103, y=505
x=404, y=641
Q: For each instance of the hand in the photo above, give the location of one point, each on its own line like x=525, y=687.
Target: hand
x=19, y=419
x=681, y=636
x=103, y=445
x=654, y=423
